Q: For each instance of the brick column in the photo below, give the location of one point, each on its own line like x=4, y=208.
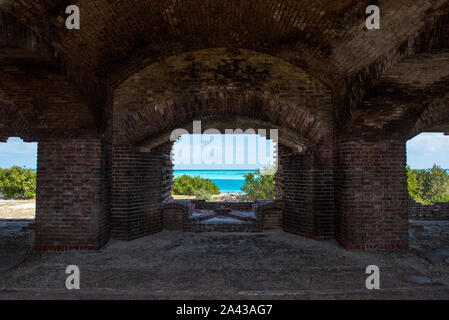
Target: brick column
x=308, y=192
x=372, y=194
x=137, y=192
x=69, y=207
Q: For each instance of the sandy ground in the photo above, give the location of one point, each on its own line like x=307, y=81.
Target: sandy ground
x=270, y=265
x=25, y=209
x=17, y=209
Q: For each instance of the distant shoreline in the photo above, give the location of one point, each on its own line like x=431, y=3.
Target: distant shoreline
x=216, y=169
x=218, y=197
x=228, y=181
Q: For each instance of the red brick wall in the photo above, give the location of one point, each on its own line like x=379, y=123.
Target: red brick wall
x=72, y=198
x=297, y=193
x=69, y=195
x=371, y=194
x=170, y=66
x=175, y=216
x=307, y=187
x=433, y=212
x=48, y=103
x=271, y=213
x=105, y=219
x=136, y=194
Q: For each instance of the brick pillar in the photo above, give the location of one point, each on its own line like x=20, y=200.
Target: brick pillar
x=371, y=194
x=308, y=192
x=137, y=191
x=69, y=207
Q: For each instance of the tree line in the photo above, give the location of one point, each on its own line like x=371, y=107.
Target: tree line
x=428, y=186
x=424, y=186
x=18, y=183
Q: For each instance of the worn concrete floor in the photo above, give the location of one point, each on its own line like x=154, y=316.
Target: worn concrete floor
x=271, y=265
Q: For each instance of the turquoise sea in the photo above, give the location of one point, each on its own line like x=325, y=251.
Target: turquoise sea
x=228, y=181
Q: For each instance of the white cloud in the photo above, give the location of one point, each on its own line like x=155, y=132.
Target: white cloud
x=427, y=149
x=16, y=145
x=17, y=153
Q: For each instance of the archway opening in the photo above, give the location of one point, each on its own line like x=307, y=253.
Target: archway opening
x=428, y=176
x=224, y=167
x=220, y=88
x=428, y=167
x=18, y=168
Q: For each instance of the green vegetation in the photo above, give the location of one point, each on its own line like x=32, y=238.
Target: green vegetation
x=18, y=183
x=203, y=195
x=187, y=185
x=259, y=185
x=428, y=186
x=425, y=186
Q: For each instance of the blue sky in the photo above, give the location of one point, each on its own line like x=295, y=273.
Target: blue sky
x=223, y=152
x=422, y=152
x=18, y=153
x=426, y=149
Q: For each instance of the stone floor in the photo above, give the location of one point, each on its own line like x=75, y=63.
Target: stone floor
x=270, y=265
x=232, y=221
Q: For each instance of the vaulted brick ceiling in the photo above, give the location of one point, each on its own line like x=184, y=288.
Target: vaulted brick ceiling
x=223, y=82
x=402, y=93
x=326, y=38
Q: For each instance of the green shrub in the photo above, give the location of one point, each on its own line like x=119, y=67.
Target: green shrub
x=259, y=185
x=203, y=195
x=18, y=183
x=428, y=186
x=270, y=170
x=188, y=185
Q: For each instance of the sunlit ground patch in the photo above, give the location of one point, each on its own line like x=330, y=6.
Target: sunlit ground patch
x=17, y=209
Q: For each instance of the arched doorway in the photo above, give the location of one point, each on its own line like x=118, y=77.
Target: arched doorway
x=225, y=89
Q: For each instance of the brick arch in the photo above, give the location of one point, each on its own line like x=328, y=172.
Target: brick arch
x=409, y=97
x=290, y=28
x=29, y=44
x=325, y=38
x=18, y=40
x=165, y=28
x=272, y=112
x=47, y=101
x=31, y=74
x=434, y=118
x=307, y=33
x=12, y=121
x=287, y=137
x=363, y=69
x=221, y=82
